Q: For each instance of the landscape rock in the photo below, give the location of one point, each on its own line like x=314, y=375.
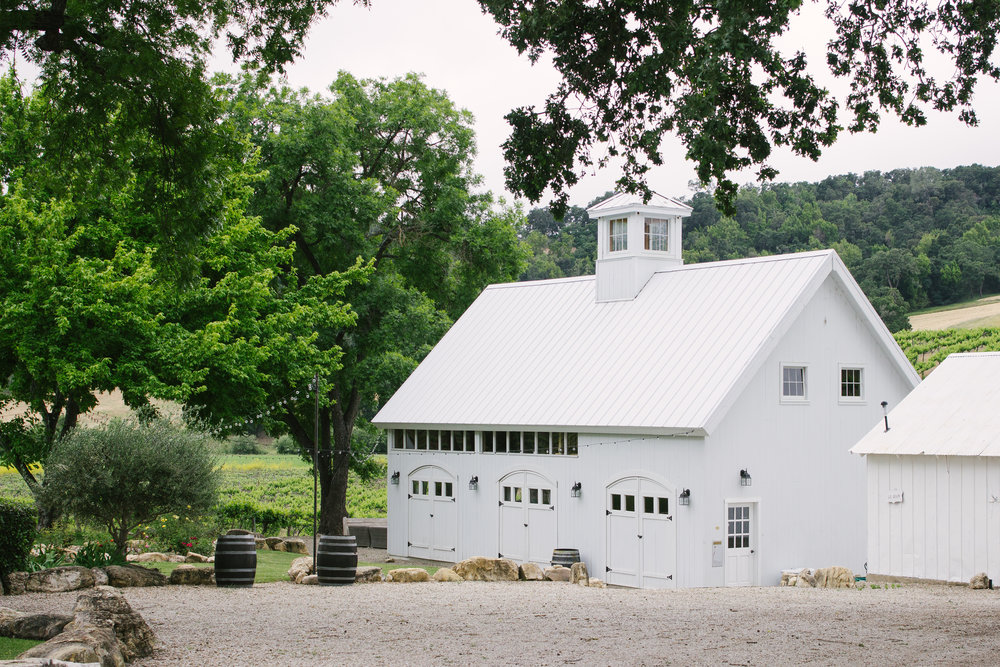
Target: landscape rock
x=407, y=575
x=106, y=608
x=100, y=576
x=805, y=579
x=43, y=662
x=446, y=574
x=152, y=557
x=558, y=573
x=191, y=575
x=979, y=581
x=834, y=577
x=16, y=582
x=59, y=579
x=193, y=557
x=301, y=567
x=125, y=576
x=597, y=583
x=579, y=574
x=273, y=543
x=80, y=645
x=531, y=572
x=132, y=558
x=294, y=545
x=311, y=580
x=260, y=543
x=368, y=575
x=486, y=569
x=175, y=558
x=21, y=625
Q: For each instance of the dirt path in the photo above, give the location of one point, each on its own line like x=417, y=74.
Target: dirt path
x=559, y=624
x=985, y=313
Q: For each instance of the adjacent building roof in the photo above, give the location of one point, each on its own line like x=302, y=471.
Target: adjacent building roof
x=954, y=412
x=544, y=354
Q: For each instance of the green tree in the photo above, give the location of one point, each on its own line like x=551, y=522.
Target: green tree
x=715, y=74
x=381, y=171
x=125, y=474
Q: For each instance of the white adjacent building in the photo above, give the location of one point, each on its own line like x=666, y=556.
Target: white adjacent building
x=934, y=476
x=679, y=425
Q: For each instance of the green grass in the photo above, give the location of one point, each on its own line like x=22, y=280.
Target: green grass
x=11, y=648
x=273, y=566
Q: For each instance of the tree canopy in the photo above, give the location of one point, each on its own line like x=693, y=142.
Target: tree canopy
x=713, y=72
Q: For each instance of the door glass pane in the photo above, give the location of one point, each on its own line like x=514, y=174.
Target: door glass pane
x=572, y=444
x=629, y=503
x=514, y=442
x=416, y=487
x=543, y=443
x=664, y=506
x=437, y=488
x=732, y=512
x=425, y=488
x=533, y=496
x=546, y=497
x=648, y=504
x=517, y=494
x=506, y=493
x=448, y=489
x=528, y=443
x=616, y=501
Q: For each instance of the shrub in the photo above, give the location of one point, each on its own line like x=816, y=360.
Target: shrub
x=179, y=534
x=17, y=534
x=98, y=554
x=243, y=445
x=125, y=474
x=45, y=556
x=286, y=445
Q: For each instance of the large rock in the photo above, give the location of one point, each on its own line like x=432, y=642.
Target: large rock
x=260, y=543
x=368, y=575
x=805, y=579
x=274, y=543
x=152, y=557
x=446, y=574
x=407, y=575
x=100, y=576
x=834, y=577
x=43, y=662
x=558, y=573
x=979, y=581
x=579, y=575
x=191, y=575
x=531, y=572
x=80, y=645
x=486, y=569
x=193, y=557
x=311, y=580
x=597, y=583
x=59, y=579
x=21, y=625
x=16, y=583
x=294, y=545
x=125, y=576
x=301, y=568
x=104, y=607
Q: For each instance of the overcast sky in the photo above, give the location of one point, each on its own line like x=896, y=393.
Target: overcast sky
x=457, y=49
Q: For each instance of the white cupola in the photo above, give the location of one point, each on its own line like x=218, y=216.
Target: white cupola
x=635, y=239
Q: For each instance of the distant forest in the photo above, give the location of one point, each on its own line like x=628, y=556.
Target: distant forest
x=912, y=238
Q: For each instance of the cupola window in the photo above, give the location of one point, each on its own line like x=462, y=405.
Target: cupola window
x=618, y=238
x=656, y=234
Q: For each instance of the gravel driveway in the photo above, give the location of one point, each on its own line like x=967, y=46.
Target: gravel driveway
x=556, y=624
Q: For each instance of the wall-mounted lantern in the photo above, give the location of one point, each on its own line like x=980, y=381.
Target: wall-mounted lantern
x=745, y=478
x=576, y=490
x=473, y=482
x=885, y=414
x=394, y=478
x=685, y=497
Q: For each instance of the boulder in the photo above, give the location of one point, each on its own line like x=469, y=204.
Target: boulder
x=446, y=574
x=530, y=572
x=311, y=580
x=486, y=569
x=152, y=557
x=100, y=576
x=191, y=575
x=16, y=582
x=368, y=575
x=294, y=545
x=125, y=576
x=597, y=583
x=21, y=625
x=260, y=543
x=407, y=575
x=579, y=575
x=80, y=645
x=43, y=662
x=106, y=608
x=558, y=573
x=273, y=543
x=175, y=558
x=834, y=577
x=59, y=579
x=193, y=557
x=805, y=579
x=979, y=581
x=301, y=567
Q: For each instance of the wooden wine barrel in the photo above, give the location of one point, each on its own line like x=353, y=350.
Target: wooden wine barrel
x=565, y=557
x=235, y=561
x=336, y=560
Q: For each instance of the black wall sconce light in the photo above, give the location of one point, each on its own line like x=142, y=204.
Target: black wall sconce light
x=473, y=482
x=745, y=478
x=576, y=490
x=885, y=414
x=685, y=497
x=394, y=478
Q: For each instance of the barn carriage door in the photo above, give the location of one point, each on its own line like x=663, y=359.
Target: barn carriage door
x=527, y=518
x=641, y=534
x=432, y=514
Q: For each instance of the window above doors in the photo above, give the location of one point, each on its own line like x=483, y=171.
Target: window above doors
x=794, y=383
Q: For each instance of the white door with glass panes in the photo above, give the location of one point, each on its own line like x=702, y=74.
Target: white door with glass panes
x=527, y=518
x=432, y=514
x=741, y=544
x=641, y=534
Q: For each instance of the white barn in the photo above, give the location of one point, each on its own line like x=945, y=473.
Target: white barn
x=934, y=476
x=679, y=425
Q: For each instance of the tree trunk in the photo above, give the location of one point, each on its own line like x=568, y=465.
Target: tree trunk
x=337, y=467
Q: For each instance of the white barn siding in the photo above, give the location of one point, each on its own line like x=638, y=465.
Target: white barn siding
x=947, y=527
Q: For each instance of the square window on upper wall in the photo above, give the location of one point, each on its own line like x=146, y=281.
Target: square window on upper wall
x=852, y=384
x=794, y=383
